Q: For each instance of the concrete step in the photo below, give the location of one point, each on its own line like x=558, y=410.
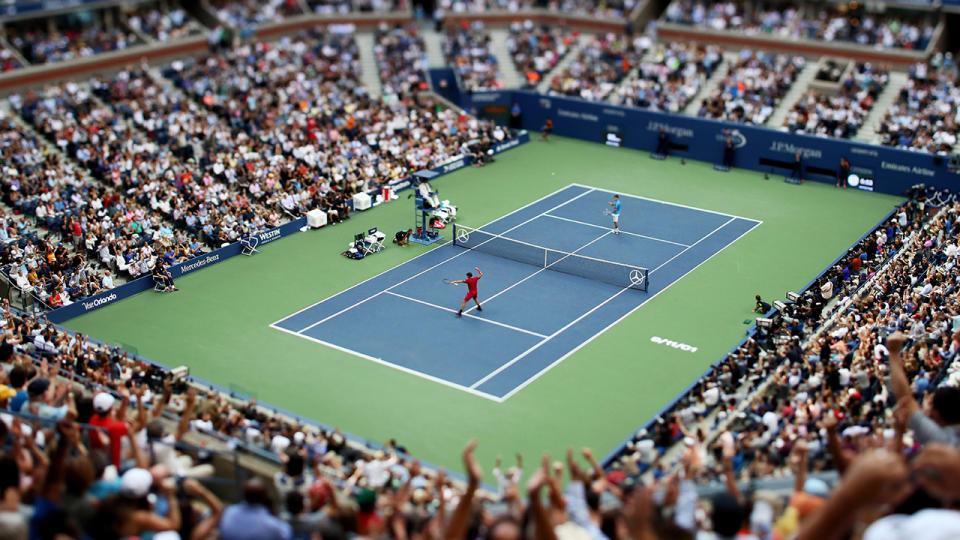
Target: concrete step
x=800, y=86
x=433, y=41
x=711, y=84
x=511, y=77
x=369, y=73
x=871, y=125
x=572, y=54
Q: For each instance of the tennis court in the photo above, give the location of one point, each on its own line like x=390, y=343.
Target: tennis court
x=535, y=313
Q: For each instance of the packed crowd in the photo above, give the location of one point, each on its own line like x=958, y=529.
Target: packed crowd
x=820, y=22
x=163, y=25
x=43, y=248
x=402, y=59
x=537, y=49
x=613, y=8
x=250, y=13
x=811, y=397
x=600, y=65
x=669, y=78
x=815, y=400
x=39, y=45
x=468, y=49
x=926, y=114
x=752, y=88
x=842, y=114
x=231, y=145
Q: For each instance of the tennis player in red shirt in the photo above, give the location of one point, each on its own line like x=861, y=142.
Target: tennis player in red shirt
x=471, y=282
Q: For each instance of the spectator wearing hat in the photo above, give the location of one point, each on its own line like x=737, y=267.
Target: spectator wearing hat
x=38, y=401
x=112, y=422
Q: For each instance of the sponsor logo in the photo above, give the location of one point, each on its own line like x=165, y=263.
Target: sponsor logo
x=862, y=171
x=739, y=139
x=671, y=343
x=506, y=145
x=672, y=130
x=919, y=171
x=94, y=304
x=269, y=236
x=580, y=116
x=401, y=185
x=614, y=112
x=199, y=264
x=863, y=151
x=486, y=98
x=860, y=182
x=544, y=103
x=790, y=148
x=453, y=166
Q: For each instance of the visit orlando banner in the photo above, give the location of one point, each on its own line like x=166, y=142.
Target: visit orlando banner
x=144, y=283
x=876, y=168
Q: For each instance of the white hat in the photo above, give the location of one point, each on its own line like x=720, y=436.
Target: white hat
x=103, y=402
x=136, y=483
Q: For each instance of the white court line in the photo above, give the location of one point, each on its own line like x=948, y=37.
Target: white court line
x=540, y=373
x=537, y=346
x=697, y=242
x=621, y=230
x=490, y=321
x=431, y=378
x=524, y=207
x=418, y=274
x=667, y=202
x=543, y=269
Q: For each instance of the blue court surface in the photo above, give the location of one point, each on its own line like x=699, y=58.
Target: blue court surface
x=532, y=318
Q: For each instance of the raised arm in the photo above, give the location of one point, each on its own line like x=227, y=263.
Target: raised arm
x=460, y=520
x=479, y=272
x=898, y=374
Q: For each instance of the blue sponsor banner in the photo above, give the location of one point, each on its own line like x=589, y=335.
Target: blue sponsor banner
x=145, y=283
x=20, y=7
x=875, y=168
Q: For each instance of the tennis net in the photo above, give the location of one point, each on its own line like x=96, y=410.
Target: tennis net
x=614, y=273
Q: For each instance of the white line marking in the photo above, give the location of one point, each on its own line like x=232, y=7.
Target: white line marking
x=418, y=274
x=731, y=220
x=490, y=321
x=553, y=335
x=394, y=366
x=540, y=373
x=667, y=203
x=545, y=197
x=621, y=230
x=544, y=268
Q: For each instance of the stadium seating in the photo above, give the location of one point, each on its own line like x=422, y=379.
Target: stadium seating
x=143, y=164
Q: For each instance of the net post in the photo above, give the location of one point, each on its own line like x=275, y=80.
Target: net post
x=454, y=234
x=646, y=279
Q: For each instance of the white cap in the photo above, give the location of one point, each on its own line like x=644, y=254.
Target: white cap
x=103, y=402
x=136, y=483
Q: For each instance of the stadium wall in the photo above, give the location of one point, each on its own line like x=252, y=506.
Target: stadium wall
x=145, y=283
x=877, y=168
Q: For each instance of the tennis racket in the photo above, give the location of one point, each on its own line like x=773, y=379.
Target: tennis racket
x=607, y=213
x=449, y=281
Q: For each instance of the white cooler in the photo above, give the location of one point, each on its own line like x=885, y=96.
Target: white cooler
x=361, y=201
x=316, y=218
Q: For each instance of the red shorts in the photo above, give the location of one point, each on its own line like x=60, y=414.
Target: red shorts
x=471, y=294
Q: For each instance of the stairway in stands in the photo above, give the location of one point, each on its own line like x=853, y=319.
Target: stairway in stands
x=544, y=85
x=511, y=77
x=868, y=132
x=793, y=95
x=433, y=41
x=709, y=85
x=369, y=73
